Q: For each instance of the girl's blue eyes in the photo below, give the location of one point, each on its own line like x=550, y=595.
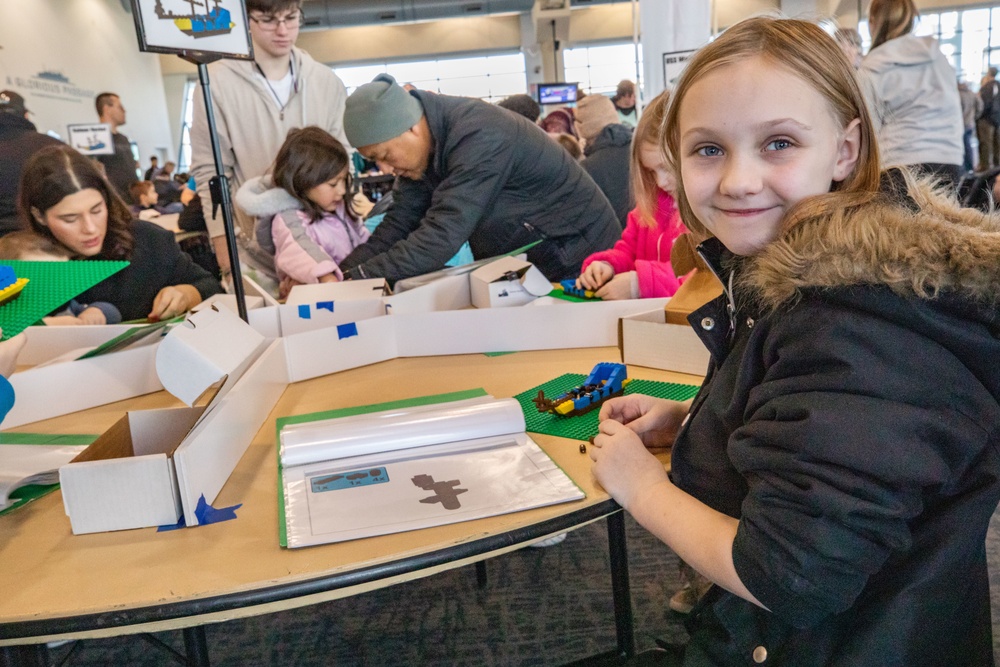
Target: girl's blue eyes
x=715, y=151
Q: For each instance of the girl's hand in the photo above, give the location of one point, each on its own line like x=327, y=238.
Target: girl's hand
x=623, y=286
x=92, y=316
x=329, y=278
x=655, y=420
x=623, y=465
x=595, y=275
x=169, y=303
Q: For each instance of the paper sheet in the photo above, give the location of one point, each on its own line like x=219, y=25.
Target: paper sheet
x=21, y=465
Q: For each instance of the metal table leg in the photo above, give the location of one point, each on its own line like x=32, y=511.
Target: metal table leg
x=622, y=593
x=196, y=647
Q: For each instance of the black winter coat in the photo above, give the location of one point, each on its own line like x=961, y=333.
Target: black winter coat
x=607, y=160
x=497, y=181
x=854, y=431
x=19, y=140
x=156, y=262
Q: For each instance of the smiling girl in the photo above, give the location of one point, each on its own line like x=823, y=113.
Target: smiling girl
x=836, y=473
x=304, y=210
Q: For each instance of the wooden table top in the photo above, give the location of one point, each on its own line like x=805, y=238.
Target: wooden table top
x=56, y=584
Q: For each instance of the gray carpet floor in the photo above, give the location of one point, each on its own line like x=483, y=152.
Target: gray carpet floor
x=540, y=607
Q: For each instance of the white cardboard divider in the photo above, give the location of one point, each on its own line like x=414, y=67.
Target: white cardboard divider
x=299, y=318
x=449, y=293
x=557, y=326
x=350, y=290
x=338, y=348
x=647, y=340
x=52, y=391
x=44, y=343
x=208, y=455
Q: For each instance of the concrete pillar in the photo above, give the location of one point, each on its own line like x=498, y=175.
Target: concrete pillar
x=534, y=62
x=668, y=26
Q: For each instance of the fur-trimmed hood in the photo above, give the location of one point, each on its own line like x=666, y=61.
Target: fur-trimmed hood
x=921, y=245
x=260, y=198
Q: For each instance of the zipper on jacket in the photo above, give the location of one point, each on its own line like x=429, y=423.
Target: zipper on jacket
x=727, y=288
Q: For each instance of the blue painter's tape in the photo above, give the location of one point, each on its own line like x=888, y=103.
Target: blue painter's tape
x=347, y=330
x=324, y=305
x=305, y=313
x=349, y=480
x=206, y=514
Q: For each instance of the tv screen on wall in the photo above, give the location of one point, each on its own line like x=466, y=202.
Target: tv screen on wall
x=557, y=93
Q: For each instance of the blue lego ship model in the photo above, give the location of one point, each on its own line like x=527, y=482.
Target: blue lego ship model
x=605, y=381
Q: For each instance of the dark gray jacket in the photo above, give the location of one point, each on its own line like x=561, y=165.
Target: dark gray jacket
x=607, y=160
x=496, y=181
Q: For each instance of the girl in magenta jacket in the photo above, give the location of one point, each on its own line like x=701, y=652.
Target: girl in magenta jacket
x=639, y=264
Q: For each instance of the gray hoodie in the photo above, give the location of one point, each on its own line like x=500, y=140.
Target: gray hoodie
x=916, y=101
x=252, y=127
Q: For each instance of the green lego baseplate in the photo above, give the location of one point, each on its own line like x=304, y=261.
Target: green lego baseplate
x=584, y=427
x=50, y=285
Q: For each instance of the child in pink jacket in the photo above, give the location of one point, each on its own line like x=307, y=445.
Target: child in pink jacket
x=304, y=212
x=639, y=264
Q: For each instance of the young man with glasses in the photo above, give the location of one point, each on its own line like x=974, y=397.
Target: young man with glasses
x=256, y=104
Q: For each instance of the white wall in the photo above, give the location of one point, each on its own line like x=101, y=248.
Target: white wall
x=92, y=43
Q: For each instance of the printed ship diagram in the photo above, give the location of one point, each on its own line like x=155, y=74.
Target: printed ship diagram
x=206, y=24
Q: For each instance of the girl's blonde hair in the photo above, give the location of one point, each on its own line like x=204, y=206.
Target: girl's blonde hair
x=889, y=19
x=807, y=51
x=647, y=131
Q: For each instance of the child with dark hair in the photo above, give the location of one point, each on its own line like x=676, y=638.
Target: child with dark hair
x=304, y=213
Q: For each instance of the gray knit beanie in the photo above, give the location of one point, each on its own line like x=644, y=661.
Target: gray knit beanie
x=379, y=111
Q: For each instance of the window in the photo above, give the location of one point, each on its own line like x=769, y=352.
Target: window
x=491, y=78
x=970, y=38
x=184, y=152
x=599, y=68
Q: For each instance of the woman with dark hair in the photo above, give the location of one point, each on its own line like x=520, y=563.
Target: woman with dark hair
x=915, y=98
x=64, y=197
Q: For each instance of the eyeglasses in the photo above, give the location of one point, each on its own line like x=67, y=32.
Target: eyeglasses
x=270, y=23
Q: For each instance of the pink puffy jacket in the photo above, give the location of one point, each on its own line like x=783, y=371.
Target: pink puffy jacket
x=646, y=250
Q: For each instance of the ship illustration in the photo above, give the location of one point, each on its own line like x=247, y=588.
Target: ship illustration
x=52, y=75
x=210, y=22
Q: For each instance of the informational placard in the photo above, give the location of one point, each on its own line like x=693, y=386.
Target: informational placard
x=673, y=65
x=91, y=138
x=201, y=28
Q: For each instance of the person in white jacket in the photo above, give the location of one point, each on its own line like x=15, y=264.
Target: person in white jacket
x=915, y=96
x=256, y=103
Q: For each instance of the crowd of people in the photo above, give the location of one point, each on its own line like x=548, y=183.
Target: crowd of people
x=833, y=480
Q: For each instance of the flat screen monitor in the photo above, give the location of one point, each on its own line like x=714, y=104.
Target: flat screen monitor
x=557, y=93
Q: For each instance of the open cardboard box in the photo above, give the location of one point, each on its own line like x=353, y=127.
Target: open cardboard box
x=154, y=465
x=348, y=290
x=507, y=282
x=647, y=339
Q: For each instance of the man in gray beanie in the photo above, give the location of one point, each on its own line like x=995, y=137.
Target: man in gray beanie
x=470, y=171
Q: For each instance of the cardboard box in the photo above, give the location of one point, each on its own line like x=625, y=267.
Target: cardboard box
x=507, y=282
x=154, y=465
x=647, y=339
x=372, y=288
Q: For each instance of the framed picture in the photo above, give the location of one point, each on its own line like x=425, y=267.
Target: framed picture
x=91, y=138
x=196, y=29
